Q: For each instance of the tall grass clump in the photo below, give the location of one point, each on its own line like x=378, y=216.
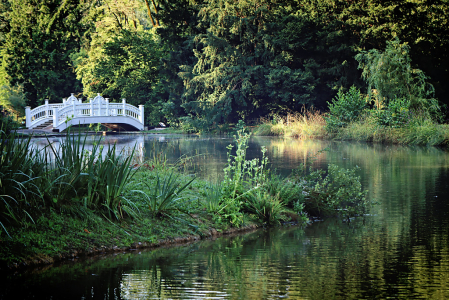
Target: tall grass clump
x=107, y=177
x=69, y=178
x=268, y=209
x=165, y=196
x=309, y=123
x=20, y=167
x=95, y=178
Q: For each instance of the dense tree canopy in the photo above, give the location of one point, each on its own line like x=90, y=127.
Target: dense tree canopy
x=39, y=37
x=214, y=61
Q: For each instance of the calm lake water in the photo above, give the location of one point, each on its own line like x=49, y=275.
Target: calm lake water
x=399, y=251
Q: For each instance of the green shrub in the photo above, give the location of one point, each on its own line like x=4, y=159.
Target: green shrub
x=339, y=192
x=389, y=75
x=395, y=115
x=345, y=108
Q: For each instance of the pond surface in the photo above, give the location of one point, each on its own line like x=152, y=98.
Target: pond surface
x=399, y=251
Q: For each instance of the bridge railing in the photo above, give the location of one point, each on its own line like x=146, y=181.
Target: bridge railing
x=73, y=108
x=40, y=114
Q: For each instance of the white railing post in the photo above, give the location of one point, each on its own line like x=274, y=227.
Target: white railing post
x=91, y=107
x=46, y=108
x=81, y=102
x=63, y=102
x=141, y=108
x=107, y=106
x=55, y=117
x=124, y=106
x=99, y=106
x=74, y=108
x=28, y=116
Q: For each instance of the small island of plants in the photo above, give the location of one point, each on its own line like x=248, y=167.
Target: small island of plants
x=63, y=202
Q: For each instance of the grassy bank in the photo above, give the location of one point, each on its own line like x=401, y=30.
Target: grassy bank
x=427, y=133
x=352, y=116
x=420, y=132
x=58, y=203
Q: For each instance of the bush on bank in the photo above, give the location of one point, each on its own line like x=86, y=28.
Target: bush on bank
x=56, y=201
x=399, y=108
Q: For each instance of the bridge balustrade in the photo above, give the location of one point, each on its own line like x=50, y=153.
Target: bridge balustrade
x=73, y=111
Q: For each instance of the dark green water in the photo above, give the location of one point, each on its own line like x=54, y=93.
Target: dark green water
x=399, y=251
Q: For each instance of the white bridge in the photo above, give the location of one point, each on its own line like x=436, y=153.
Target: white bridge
x=74, y=112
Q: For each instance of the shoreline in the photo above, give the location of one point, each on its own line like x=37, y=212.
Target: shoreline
x=45, y=260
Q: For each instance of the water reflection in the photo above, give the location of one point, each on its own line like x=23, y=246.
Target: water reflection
x=206, y=156
x=400, y=250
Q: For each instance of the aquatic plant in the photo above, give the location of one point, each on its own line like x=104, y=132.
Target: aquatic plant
x=239, y=172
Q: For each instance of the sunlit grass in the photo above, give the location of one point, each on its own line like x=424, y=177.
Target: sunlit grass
x=310, y=124
x=306, y=124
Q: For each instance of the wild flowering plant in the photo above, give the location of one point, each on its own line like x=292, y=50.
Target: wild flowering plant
x=241, y=176
x=241, y=173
